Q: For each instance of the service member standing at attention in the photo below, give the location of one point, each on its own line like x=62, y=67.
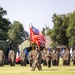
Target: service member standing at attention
x=66, y=58
x=43, y=57
x=1, y=58
x=48, y=58
x=23, y=58
x=69, y=57
x=73, y=56
x=12, y=57
x=53, y=55
x=30, y=59
x=56, y=58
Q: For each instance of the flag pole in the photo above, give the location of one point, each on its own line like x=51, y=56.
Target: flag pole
x=32, y=44
x=29, y=36
x=31, y=24
x=38, y=47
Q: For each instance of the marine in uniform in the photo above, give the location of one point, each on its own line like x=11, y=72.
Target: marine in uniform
x=1, y=58
x=48, y=58
x=36, y=60
x=23, y=58
x=73, y=56
x=12, y=57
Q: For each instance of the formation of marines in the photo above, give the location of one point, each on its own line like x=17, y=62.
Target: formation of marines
x=37, y=57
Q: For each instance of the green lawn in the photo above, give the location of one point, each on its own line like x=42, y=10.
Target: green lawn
x=54, y=70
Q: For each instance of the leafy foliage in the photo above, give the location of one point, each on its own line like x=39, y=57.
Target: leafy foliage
x=15, y=33
x=60, y=33
x=4, y=24
x=63, y=32
x=60, y=26
x=43, y=31
x=71, y=29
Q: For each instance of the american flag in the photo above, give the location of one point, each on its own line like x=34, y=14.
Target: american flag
x=40, y=37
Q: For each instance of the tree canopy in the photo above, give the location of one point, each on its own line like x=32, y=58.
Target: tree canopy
x=13, y=31
x=63, y=31
x=4, y=24
x=17, y=33
x=71, y=29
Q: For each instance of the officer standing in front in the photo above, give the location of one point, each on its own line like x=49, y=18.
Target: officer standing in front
x=36, y=62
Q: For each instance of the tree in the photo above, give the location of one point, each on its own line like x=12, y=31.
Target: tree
x=15, y=34
x=63, y=32
x=4, y=25
x=58, y=34
x=71, y=29
x=43, y=31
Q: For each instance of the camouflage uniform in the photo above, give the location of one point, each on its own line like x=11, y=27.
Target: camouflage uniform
x=43, y=57
x=36, y=60
x=56, y=58
x=65, y=58
x=73, y=56
x=48, y=58
x=1, y=58
x=23, y=58
x=12, y=57
x=30, y=59
x=69, y=57
x=53, y=61
x=40, y=59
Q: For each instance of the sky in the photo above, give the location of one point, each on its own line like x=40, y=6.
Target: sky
x=37, y=12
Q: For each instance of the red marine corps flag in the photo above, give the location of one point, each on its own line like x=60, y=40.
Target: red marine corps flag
x=36, y=36
x=33, y=37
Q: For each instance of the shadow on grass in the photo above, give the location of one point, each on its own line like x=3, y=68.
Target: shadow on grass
x=50, y=69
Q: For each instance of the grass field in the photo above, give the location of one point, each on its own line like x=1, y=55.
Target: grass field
x=22, y=70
